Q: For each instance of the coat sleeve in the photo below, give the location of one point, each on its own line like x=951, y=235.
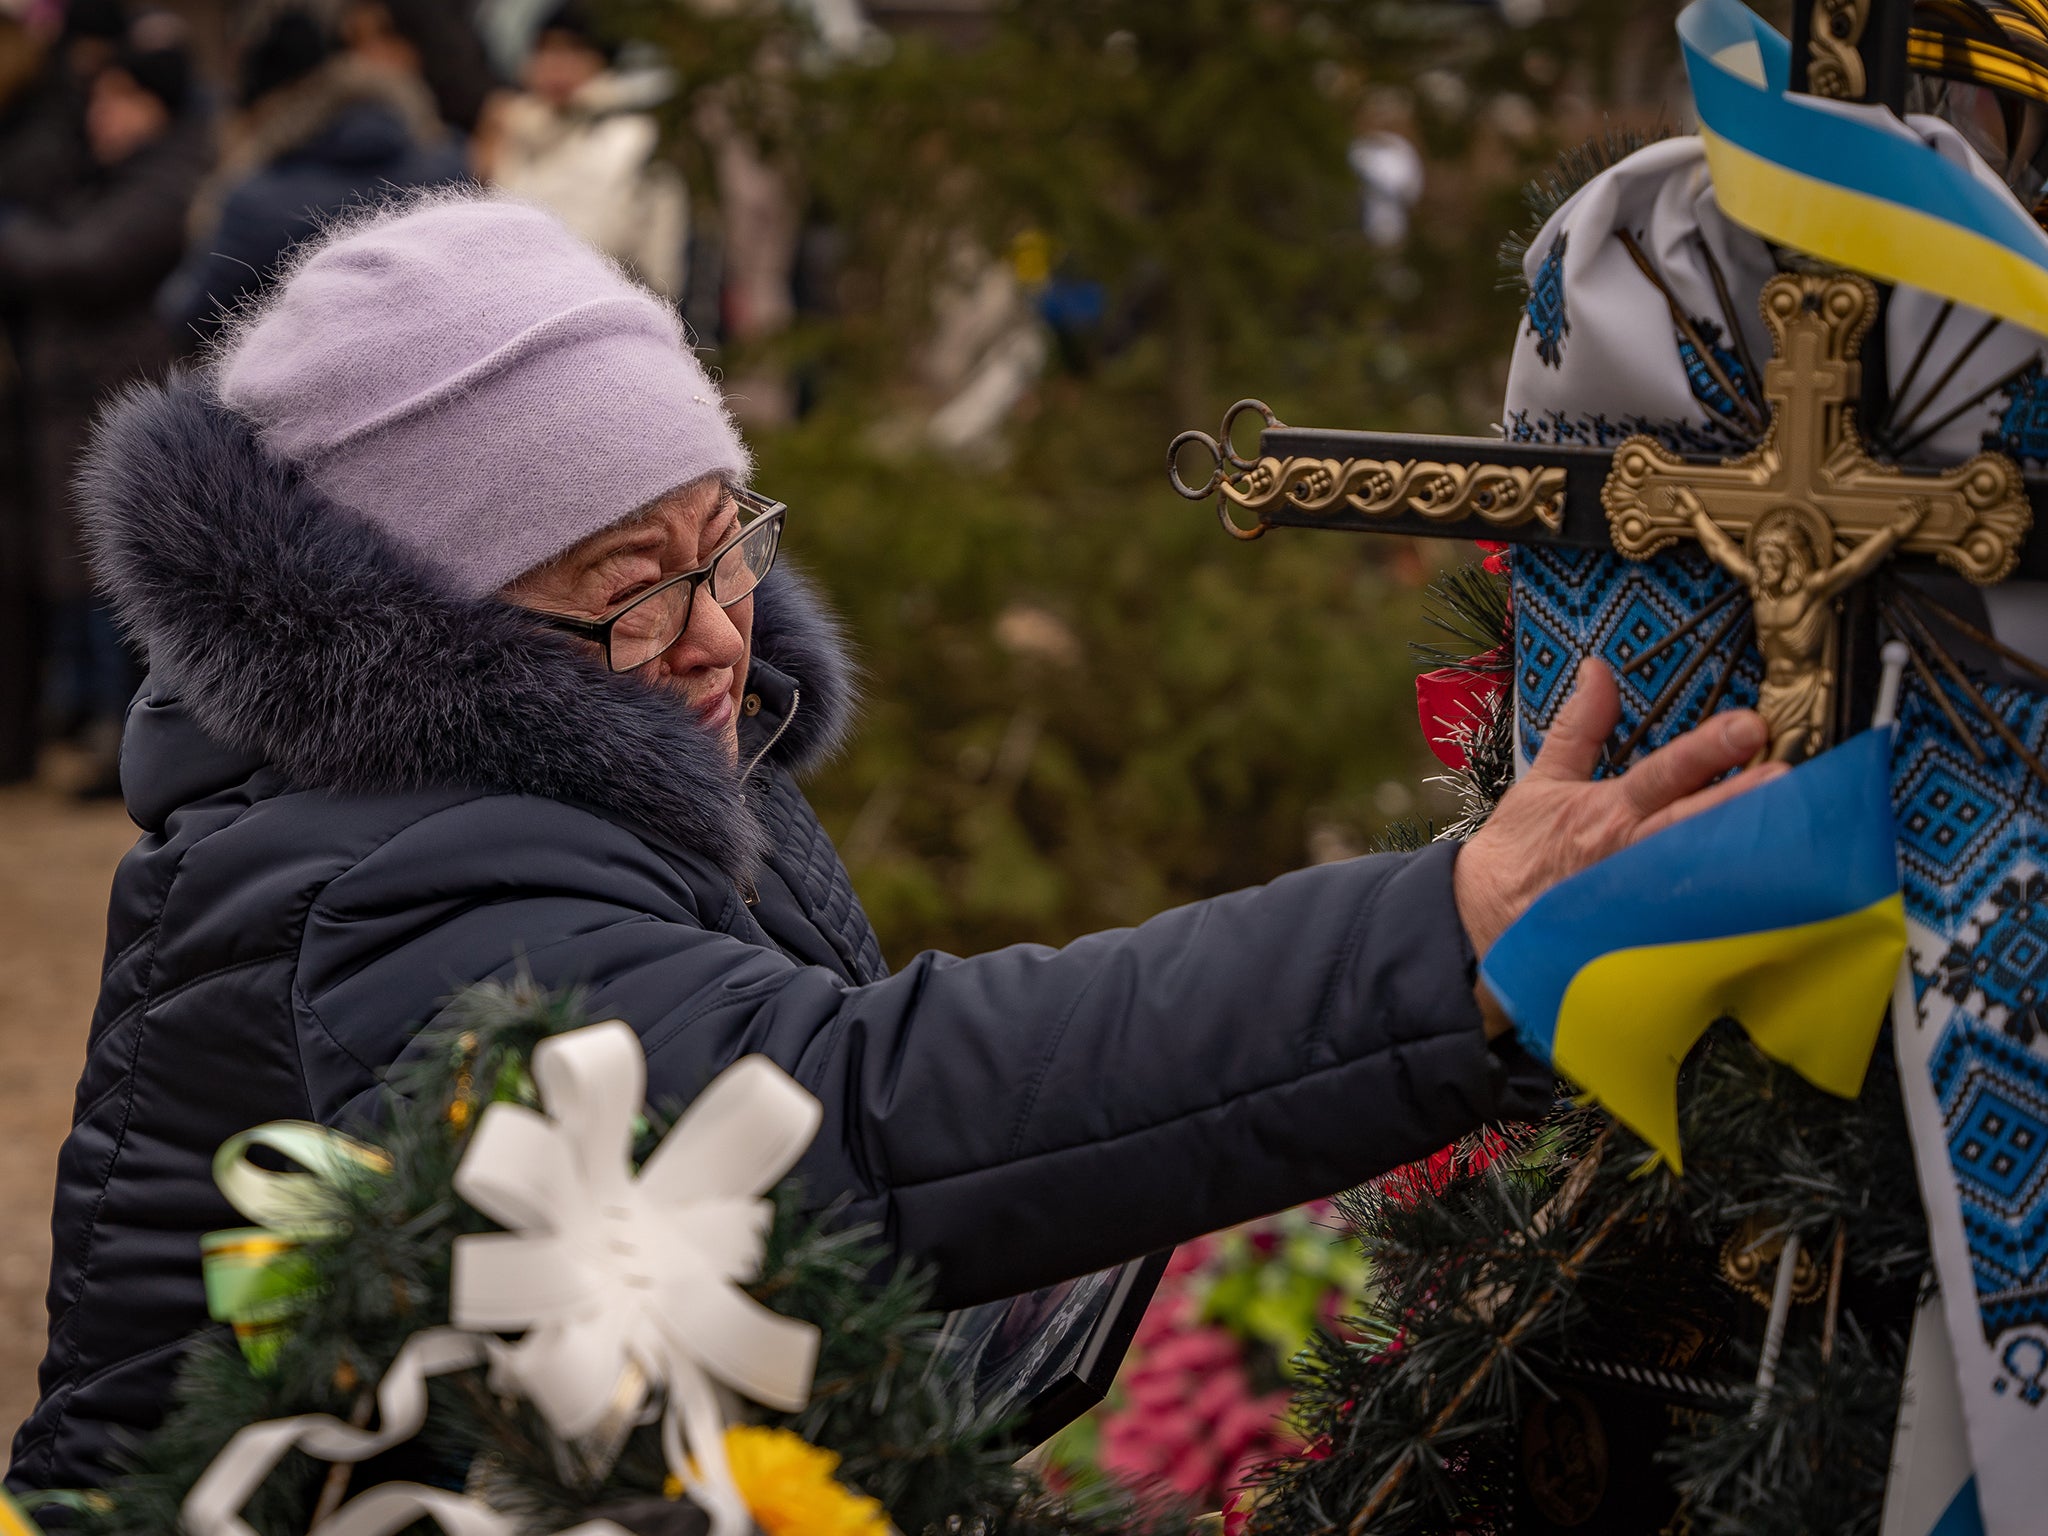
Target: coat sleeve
x=1016, y=1117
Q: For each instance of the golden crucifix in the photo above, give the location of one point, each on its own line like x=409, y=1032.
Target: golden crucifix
x=1792, y=589
x=1808, y=512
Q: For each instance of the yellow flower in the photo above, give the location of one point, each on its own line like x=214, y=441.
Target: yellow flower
x=789, y=1488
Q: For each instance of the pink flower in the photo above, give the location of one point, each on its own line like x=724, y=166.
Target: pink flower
x=1195, y=1471
x=1220, y=1394
x=1198, y=1349
x=1187, y=1416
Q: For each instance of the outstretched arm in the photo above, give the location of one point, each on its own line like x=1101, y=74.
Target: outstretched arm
x=1867, y=556
x=1725, y=551
x=1015, y=1117
x=1030, y=1114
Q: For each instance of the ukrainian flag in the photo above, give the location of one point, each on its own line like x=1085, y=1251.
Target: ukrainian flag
x=1851, y=183
x=1779, y=908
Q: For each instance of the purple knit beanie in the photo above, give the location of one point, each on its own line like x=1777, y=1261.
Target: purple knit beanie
x=476, y=381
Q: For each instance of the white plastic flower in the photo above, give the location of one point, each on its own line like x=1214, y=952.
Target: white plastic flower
x=607, y=1271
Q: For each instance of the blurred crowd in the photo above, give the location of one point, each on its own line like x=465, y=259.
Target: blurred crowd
x=150, y=185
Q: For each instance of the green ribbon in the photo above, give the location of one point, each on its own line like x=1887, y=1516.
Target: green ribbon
x=258, y=1279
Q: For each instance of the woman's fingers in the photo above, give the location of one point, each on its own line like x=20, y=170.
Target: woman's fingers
x=1707, y=799
x=1692, y=761
x=1572, y=749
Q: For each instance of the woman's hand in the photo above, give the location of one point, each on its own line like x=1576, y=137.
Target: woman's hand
x=1556, y=821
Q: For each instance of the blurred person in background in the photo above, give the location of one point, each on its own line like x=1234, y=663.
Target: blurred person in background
x=49, y=53
x=333, y=111
x=82, y=274
x=1388, y=166
x=23, y=39
x=507, y=29
x=433, y=40
x=56, y=52
x=580, y=139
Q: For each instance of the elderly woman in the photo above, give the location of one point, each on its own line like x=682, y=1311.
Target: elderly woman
x=470, y=652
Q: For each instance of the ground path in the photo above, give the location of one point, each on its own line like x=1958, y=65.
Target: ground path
x=56, y=857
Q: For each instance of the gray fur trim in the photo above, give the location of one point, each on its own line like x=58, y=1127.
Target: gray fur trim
x=293, y=628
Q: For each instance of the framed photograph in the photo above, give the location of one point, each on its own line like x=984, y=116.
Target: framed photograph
x=1045, y=1358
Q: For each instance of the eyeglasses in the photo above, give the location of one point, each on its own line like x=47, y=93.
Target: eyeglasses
x=640, y=629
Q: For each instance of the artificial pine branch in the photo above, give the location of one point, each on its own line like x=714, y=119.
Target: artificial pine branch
x=1469, y=606
x=1501, y=1349
x=1488, y=743
x=1814, y=1460
x=1488, y=1299
x=1404, y=837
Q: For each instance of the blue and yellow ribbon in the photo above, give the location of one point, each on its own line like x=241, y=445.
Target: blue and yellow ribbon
x=1850, y=183
x=1780, y=908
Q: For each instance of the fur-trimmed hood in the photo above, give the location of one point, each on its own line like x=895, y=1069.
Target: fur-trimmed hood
x=293, y=631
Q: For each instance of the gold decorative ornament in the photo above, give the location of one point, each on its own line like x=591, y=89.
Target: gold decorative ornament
x=1792, y=587
x=1808, y=511
x=460, y=1106
x=1974, y=515
x=1500, y=495
x=1504, y=495
x=1834, y=64
x=1749, y=1263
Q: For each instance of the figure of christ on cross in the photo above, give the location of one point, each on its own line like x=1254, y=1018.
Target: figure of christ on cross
x=1792, y=592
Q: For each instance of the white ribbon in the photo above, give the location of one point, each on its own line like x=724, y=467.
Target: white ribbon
x=607, y=1272
x=214, y=1506
x=391, y=1507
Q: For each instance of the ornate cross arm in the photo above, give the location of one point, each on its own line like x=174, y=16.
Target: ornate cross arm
x=1382, y=482
x=1799, y=517
x=1288, y=484
x=1974, y=516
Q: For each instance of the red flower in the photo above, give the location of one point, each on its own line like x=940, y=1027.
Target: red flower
x=1237, y=1511
x=1436, y=1173
x=1451, y=698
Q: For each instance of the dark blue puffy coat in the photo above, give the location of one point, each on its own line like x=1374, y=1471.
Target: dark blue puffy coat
x=358, y=793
